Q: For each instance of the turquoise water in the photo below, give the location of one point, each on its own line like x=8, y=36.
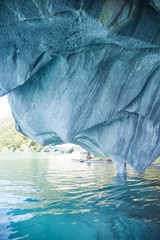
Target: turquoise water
x=44, y=196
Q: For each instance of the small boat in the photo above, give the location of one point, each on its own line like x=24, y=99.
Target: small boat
x=92, y=160
x=155, y=164
x=86, y=157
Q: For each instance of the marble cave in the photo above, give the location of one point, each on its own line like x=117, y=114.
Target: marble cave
x=85, y=72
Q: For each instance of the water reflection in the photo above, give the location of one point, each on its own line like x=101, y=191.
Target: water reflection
x=47, y=197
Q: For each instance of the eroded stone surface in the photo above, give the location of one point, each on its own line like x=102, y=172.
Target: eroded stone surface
x=85, y=72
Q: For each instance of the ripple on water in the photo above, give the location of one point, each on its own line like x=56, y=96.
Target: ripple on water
x=54, y=198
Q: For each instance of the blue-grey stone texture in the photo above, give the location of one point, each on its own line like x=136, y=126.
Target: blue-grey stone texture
x=86, y=72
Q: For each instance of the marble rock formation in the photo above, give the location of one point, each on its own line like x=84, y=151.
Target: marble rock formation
x=86, y=72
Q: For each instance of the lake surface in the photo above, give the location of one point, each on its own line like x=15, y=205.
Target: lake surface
x=46, y=196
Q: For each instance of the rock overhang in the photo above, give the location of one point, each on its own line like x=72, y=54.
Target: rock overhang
x=76, y=74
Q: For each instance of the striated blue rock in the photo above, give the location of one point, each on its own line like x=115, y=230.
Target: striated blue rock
x=86, y=72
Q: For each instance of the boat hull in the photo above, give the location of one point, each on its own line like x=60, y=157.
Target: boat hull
x=92, y=160
x=155, y=165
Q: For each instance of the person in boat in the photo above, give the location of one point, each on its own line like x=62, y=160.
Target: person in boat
x=88, y=156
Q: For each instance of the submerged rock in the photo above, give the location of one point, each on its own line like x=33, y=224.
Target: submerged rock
x=86, y=72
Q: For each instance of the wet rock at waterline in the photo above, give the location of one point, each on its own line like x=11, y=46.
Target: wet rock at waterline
x=86, y=72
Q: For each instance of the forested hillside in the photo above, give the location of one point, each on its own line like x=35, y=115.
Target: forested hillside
x=11, y=140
